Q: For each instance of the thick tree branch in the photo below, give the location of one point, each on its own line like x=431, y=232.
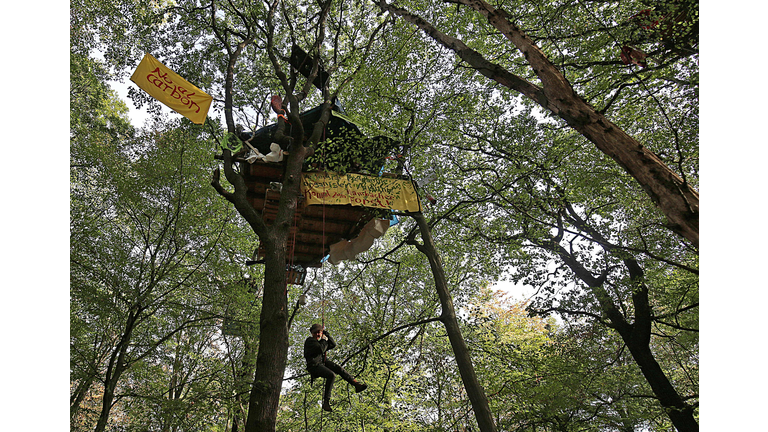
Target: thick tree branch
x=677, y=200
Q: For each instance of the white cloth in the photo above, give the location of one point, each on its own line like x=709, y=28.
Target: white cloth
x=348, y=250
x=275, y=155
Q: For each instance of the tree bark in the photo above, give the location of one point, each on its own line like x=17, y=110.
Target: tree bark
x=472, y=385
x=677, y=200
x=273, y=346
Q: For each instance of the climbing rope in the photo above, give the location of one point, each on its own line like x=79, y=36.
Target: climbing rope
x=322, y=281
x=292, y=250
x=322, y=268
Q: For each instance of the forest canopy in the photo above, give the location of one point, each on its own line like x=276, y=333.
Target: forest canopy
x=554, y=147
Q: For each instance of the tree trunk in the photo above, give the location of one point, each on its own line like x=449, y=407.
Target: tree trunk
x=115, y=369
x=636, y=335
x=273, y=331
x=677, y=199
x=678, y=411
x=273, y=324
x=81, y=390
x=273, y=348
x=472, y=385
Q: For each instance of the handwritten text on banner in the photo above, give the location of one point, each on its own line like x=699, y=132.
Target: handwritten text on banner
x=359, y=190
x=171, y=89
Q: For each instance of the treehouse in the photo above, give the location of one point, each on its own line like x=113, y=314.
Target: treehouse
x=344, y=146
x=346, y=198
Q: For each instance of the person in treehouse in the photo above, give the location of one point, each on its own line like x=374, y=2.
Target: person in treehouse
x=315, y=348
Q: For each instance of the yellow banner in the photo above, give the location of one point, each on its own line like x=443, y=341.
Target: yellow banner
x=171, y=89
x=359, y=190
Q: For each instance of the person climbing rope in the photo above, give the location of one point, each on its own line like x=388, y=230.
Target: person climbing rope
x=314, y=352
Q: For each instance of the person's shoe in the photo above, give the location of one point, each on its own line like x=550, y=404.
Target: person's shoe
x=327, y=406
x=359, y=387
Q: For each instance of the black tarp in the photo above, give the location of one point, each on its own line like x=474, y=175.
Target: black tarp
x=336, y=127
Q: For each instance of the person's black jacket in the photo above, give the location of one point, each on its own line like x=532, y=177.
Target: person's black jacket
x=314, y=349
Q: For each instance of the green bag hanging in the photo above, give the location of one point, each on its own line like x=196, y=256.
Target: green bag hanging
x=232, y=142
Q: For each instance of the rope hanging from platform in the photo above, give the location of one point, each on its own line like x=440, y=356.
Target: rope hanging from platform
x=292, y=250
x=322, y=268
x=322, y=280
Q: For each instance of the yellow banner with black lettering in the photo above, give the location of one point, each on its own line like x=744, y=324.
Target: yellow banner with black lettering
x=359, y=190
x=171, y=89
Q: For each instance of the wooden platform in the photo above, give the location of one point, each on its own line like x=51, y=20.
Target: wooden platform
x=317, y=227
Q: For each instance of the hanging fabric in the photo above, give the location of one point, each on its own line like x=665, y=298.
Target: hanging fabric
x=349, y=249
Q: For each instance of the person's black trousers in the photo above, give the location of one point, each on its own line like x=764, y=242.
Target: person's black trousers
x=329, y=370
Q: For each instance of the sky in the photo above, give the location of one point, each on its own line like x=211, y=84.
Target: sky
x=137, y=116
x=35, y=261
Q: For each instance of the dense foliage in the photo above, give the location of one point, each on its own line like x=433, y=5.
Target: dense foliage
x=165, y=316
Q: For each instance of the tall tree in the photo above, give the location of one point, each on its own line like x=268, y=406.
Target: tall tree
x=261, y=23
x=448, y=317
x=138, y=246
x=551, y=204
x=676, y=197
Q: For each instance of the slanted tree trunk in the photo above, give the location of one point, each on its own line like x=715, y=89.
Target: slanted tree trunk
x=677, y=199
x=115, y=368
x=243, y=379
x=81, y=391
x=78, y=395
x=636, y=335
x=472, y=385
